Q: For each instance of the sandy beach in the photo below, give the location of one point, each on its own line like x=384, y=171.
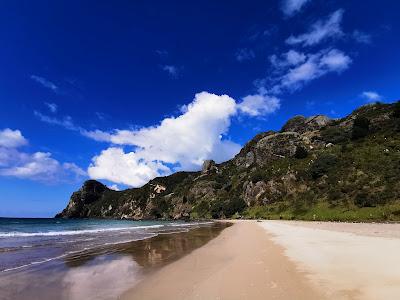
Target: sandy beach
x=344, y=260
x=241, y=263
x=284, y=260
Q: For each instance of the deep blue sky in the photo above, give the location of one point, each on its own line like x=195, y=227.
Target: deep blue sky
x=107, y=65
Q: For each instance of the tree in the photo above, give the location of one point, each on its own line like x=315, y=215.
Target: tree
x=322, y=165
x=360, y=127
x=301, y=152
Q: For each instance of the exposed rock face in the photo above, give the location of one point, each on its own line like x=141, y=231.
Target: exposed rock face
x=78, y=206
x=301, y=124
x=270, y=171
x=208, y=166
x=253, y=192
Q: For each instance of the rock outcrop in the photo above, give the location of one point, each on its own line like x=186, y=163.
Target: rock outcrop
x=310, y=163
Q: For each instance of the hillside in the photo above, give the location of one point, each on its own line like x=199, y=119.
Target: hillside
x=314, y=168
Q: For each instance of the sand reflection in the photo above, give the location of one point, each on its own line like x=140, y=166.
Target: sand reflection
x=103, y=279
x=105, y=272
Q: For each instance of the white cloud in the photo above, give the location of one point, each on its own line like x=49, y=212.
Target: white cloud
x=171, y=70
x=371, y=96
x=52, y=107
x=114, y=187
x=259, y=105
x=177, y=143
x=45, y=83
x=296, y=75
x=115, y=165
x=11, y=138
x=291, y=7
x=288, y=59
x=320, y=31
x=73, y=168
x=66, y=122
x=244, y=54
x=97, y=135
x=181, y=142
x=38, y=165
x=362, y=37
x=35, y=166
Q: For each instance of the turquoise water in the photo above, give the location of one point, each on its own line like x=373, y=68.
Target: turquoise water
x=30, y=242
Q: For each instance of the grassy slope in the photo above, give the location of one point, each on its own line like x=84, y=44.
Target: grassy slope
x=363, y=184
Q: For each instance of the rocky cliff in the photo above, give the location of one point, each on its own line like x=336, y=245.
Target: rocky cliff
x=314, y=168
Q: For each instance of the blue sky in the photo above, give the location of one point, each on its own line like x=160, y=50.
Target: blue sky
x=128, y=90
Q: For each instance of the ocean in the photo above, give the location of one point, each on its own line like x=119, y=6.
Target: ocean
x=79, y=259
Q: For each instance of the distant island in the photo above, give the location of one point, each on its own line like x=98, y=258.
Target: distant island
x=314, y=168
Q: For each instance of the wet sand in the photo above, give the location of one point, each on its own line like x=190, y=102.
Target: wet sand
x=344, y=260
x=241, y=263
x=105, y=272
x=248, y=260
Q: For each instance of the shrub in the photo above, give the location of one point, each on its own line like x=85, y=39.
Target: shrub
x=322, y=165
x=360, y=127
x=301, y=152
x=363, y=200
x=396, y=110
x=257, y=176
x=201, y=209
x=334, y=135
x=216, y=208
x=232, y=206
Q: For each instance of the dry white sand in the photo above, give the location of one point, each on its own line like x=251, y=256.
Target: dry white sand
x=346, y=261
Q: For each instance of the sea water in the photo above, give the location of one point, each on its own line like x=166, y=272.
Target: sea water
x=27, y=242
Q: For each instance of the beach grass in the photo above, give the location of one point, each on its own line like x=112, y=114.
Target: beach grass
x=322, y=212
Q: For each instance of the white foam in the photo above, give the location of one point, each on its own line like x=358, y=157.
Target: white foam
x=74, y=232
x=76, y=252
x=190, y=224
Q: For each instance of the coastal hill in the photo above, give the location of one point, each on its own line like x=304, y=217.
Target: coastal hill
x=314, y=168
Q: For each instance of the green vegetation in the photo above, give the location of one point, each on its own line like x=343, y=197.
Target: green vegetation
x=322, y=165
x=360, y=127
x=322, y=212
x=347, y=170
x=301, y=152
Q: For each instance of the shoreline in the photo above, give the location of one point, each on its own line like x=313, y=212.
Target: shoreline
x=284, y=260
x=105, y=272
x=230, y=259
x=240, y=263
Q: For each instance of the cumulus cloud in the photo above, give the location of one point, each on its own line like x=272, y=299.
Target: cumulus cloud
x=371, y=96
x=291, y=7
x=176, y=143
x=295, y=73
x=115, y=165
x=259, y=105
x=181, y=142
x=45, y=82
x=35, y=166
x=11, y=138
x=320, y=31
x=244, y=54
